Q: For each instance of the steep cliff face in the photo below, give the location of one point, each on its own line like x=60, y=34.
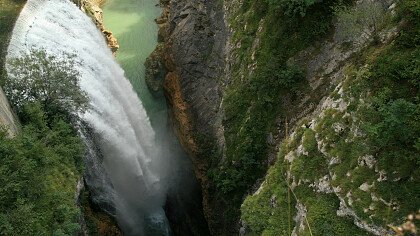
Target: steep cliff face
x=194, y=57
x=348, y=166
x=194, y=36
x=245, y=76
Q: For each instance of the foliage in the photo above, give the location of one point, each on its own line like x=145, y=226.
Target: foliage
x=270, y=211
x=392, y=118
x=410, y=11
x=293, y=7
x=248, y=144
x=263, y=88
x=48, y=79
x=381, y=123
x=39, y=168
x=409, y=227
x=367, y=18
x=321, y=214
x=38, y=177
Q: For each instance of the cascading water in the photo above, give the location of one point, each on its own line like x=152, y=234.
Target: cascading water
x=131, y=159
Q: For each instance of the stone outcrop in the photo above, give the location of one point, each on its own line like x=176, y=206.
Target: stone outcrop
x=92, y=8
x=7, y=118
x=155, y=63
x=155, y=71
x=197, y=53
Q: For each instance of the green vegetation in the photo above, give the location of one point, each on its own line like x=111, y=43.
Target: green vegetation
x=322, y=214
x=370, y=151
x=47, y=79
x=38, y=177
x=262, y=88
x=311, y=165
x=367, y=17
x=39, y=168
x=271, y=211
x=293, y=7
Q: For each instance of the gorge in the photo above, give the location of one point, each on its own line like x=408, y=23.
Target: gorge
x=249, y=117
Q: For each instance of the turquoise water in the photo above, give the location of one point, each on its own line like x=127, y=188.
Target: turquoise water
x=132, y=23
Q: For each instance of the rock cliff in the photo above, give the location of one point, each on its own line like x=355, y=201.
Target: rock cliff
x=93, y=9
x=223, y=64
x=193, y=37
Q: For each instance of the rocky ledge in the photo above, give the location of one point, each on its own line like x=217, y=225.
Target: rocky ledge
x=92, y=8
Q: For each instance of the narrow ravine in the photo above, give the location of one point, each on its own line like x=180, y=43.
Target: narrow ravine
x=132, y=22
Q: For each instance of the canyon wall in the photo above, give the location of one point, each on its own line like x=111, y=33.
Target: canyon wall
x=223, y=64
x=192, y=47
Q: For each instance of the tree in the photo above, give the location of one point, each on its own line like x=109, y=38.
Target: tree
x=39, y=168
x=366, y=18
x=48, y=79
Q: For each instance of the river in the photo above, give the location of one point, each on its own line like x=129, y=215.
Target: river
x=133, y=24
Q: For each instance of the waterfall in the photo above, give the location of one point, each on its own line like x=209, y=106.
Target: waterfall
x=122, y=129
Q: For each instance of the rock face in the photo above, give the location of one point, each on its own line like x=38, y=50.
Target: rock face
x=7, y=117
x=325, y=124
x=194, y=38
x=199, y=56
x=93, y=9
x=155, y=71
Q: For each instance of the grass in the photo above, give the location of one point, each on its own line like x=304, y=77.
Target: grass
x=321, y=214
x=268, y=212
